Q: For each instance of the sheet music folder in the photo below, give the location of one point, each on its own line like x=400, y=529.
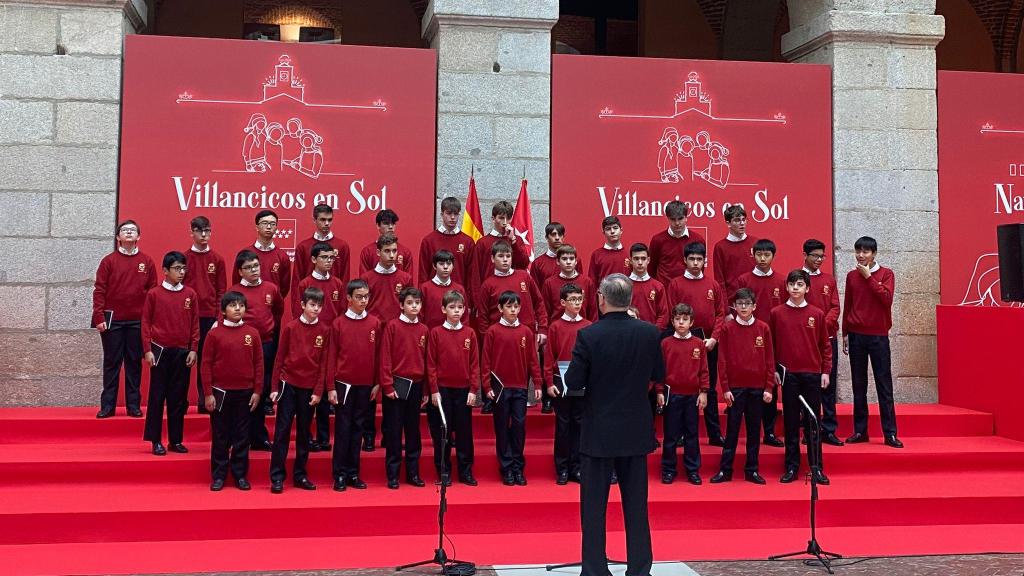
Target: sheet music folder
x=558, y=379
x=496, y=386
x=403, y=387
x=344, y=388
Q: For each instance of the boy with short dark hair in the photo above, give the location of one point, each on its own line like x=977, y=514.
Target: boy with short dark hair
x=612, y=257
x=233, y=370
x=386, y=279
x=569, y=273
x=387, y=221
x=447, y=237
x=298, y=385
x=546, y=265
x=123, y=279
x=170, y=336
x=867, y=319
x=453, y=373
x=746, y=370
x=825, y=295
x=667, y=246
x=275, y=264
x=683, y=392
x=510, y=356
x=649, y=295
x=482, y=267
x=734, y=255
x=803, y=351
x=568, y=409
x=323, y=221
x=434, y=290
x=507, y=279
x=209, y=280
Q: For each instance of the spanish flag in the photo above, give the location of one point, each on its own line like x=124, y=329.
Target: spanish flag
x=472, y=223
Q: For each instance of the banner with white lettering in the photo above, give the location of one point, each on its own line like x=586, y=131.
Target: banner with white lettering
x=631, y=134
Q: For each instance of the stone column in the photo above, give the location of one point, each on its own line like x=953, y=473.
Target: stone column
x=494, y=99
x=60, y=73
x=885, y=158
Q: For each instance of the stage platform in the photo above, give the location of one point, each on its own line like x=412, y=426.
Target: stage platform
x=84, y=496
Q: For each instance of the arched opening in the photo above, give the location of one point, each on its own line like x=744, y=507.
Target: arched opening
x=967, y=44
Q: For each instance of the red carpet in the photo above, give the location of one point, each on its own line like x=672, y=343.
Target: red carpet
x=84, y=496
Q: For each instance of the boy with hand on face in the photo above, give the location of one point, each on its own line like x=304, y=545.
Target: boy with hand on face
x=435, y=289
x=208, y=278
x=569, y=273
x=447, y=237
x=667, y=246
x=611, y=258
x=387, y=221
x=649, y=295
x=483, y=267
x=682, y=394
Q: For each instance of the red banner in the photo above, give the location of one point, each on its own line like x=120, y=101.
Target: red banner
x=981, y=180
x=631, y=134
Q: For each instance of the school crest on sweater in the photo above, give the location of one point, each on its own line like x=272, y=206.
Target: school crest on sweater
x=696, y=353
x=826, y=289
x=810, y=321
x=775, y=292
x=142, y=267
x=211, y=268
x=466, y=344
x=319, y=342
x=651, y=296
x=248, y=340
x=522, y=286
x=188, y=303
x=373, y=335
x=398, y=288
x=276, y=267
x=335, y=296
x=711, y=294
x=423, y=342
x=522, y=342
x=759, y=342
x=270, y=300
x=462, y=248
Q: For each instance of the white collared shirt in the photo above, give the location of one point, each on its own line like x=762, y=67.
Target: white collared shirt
x=320, y=276
x=691, y=276
x=248, y=284
x=791, y=305
x=685, y=234
x=757, y=272
x=173, y=287
x=874, y=268
x=635, y=278
x=437, y=280
x=732, y=238
x=133, y=252
x=231, y=324
x=494, y=232
x=198, y=251
x=320, y=238
x=741, y=322
x=504, y=322
x=687, y=337
x=501, y=274
x=408, y=320
x=448, y=232
x=302, y=318
x=568, y=318
x=575, y=274
x=355, y=316
x=608, y=246
x=808, y=270
x=260, y=247
x=379, y=269
x=550, y=254
x=449, y=326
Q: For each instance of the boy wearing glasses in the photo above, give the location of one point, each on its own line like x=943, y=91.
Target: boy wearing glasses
x=734, y=255
x=274, y=262
x=825, y=295
x=209, y=280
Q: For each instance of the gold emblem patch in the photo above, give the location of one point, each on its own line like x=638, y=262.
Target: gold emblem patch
x=276, y=267
x=759, y=341
x=373, y=335
x=775, y=292
x=270, y=299
x=522, y=342
x=423, y=341
x=398, y=288
x=696, y=353
x=810, y=321
x=826, y=289
x=211, y=268
x=522, y=286
x=248, y=340
x=319, y=342
x=188, y=303
x=335, y=296
x=142, y=266
x=711, y=294
x=626, y=263
x=466, y=344
x=651, y=296
x=462, y=248
x=401, y=259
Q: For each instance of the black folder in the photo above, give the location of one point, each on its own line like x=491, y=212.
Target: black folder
x=558, y=379
x=403, y=387
x=108, y=317
x=157, y=351
x=219, y=395
x=781, y=371
x=344, y=388
x=496, y=386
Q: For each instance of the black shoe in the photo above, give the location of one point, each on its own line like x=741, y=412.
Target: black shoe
x=264, y=446
x=576, y=477
x=158, y=449
x=789, y=476
x=243, y=484
x=772, y=440
x=134, y=413
x=667, y=477
x=268, y=409
x=754, y=478
x=545, y=406
x=507, y=479
x=519, y=479
x=893, y=441
x=820, y=478
x=104, y=414
x=488, y=407
x=393, y=483
x=716, y=441
x=368, y=446
x=276, y=487
x=312, y=446
x=694, y=478
x=415, y=480
x=857, y=438
x=304, y=483
x=447, y=481
x=466, y=479
x=217, y=485
x=178, y=447
x=339, y=484
x=324, y=446
x=832, y=440
x=721, y=477
x=614, y=479
x=356, y=483
x=563, y=478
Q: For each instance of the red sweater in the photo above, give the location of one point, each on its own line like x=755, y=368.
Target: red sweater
x=746, y=356
x=432, y=313
x=651, y=301
x=604, y=262
x=263, y=307
x=686, y=366
x=511, y=353
x=552, y=293
x=666, y=252
x=303, y=266
x=208, y=276
x=868, y=303
x=302, y=356
x=453, y=359
x=335, y=302
x=121, y=285
x=275, y=266
x=353, y=352
x=482, y=266
x=232, y=359
x=558, y=348
x=770, y=291
x=384, y=289
x=460, y=245
x=531, y=313
x=732, y=260
x=403, y=352
x=368, y=259
x=801, y=339
x=825, y=295
x=706, y=299
x=171, y=319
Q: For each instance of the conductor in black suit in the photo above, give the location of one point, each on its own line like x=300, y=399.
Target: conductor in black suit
x=613, y=363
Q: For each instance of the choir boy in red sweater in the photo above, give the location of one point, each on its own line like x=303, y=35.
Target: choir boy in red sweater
x=510, y=356
x=568, y=409
x=546, y=265
x=352, y=363
x=403, y=355
x=387, y=221
x=867, y=319
x=825, y=295
x=706, y=298
x=122, y=281
x=649, y=295
x=323, y=220
x=209, y=280
x=274, y=262
x=746, y=370
x=298, y=386
x=170, y=336
x=568, y=273
x=435, y=289
x=263, y=312
x=505, y=278
x=682, y=394
x=447, y=237
x=803, y=350
x=734, y=255
x=612, y=257
x=482, y=267
x=666, y=253
x=453, y=374
x=232, y=381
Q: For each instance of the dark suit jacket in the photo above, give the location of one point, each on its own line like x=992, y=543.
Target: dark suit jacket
x=615, y=360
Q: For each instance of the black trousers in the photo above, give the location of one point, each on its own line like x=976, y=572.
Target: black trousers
x=681, y=423
x=746, y=408
x=460, y=425
x=510, y=430
x=809, y=386
x=711, y=423
x=370, y=425
x=258, y=422
x=594, y=488
x=568, y=418
x=204, y=328
x=230, y=427
x=876, y=349
x=769, y=413
x=168, y=384
x=349, y=420
x=323, y=422
x=293, y=405
x=402, y=418
x=829, y=423
x=122, y=344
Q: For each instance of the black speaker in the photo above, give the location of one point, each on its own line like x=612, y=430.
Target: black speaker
x=1011, y=261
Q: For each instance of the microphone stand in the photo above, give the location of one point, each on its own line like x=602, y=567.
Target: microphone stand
x=814, y=460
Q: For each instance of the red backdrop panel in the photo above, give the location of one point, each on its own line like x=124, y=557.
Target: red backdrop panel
x=630, y=134
x=981, y=179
